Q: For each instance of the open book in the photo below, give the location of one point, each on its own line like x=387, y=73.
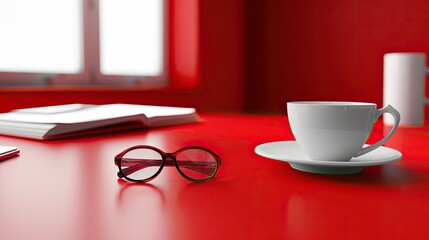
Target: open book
x=69, y=120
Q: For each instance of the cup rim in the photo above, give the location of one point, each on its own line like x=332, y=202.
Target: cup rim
x=331, y=103
x=416, y=54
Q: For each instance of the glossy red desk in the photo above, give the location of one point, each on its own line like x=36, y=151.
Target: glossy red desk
x=68, y=189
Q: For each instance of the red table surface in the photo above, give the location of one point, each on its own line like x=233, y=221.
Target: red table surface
x=68, y=189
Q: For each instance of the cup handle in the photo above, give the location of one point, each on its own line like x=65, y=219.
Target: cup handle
x=396, y=119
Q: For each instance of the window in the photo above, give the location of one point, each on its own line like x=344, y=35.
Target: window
x=82, y=42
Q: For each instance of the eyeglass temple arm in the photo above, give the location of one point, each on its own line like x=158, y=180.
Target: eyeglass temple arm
x=138, y=164
x=202, y=167
x=135, y=165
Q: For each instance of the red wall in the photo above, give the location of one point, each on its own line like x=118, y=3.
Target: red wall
x=326, y=50
x=254, y=56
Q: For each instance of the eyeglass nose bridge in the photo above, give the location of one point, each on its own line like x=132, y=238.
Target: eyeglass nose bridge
x=169, y=159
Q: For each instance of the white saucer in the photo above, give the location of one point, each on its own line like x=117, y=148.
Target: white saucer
x=290, y=151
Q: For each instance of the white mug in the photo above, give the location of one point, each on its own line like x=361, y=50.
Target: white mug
x=336, y=131
x=404, y=77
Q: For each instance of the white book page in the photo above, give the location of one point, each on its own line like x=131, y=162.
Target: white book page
x=67, y=114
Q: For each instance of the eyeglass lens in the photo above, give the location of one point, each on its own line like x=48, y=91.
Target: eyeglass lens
x=141, y=163
x=196, y=163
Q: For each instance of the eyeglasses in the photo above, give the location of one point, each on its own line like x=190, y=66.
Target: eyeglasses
x=143, y=163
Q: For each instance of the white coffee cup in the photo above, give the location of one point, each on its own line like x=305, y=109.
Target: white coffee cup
x=336, y=131
x=404, y=76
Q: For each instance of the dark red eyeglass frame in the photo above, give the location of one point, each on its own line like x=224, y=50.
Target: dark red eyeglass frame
x=168, y=159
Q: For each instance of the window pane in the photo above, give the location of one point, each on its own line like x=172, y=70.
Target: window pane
x=41, y=36
x=131, y=37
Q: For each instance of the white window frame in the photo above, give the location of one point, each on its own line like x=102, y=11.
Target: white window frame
x=91, y=74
